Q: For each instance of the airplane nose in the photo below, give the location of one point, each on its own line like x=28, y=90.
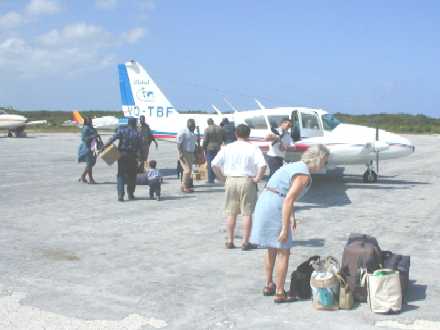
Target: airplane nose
x=408, y=143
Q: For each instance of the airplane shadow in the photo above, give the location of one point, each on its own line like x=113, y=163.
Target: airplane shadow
x=331, y=190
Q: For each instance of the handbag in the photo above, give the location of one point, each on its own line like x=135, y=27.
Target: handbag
x=345, y=294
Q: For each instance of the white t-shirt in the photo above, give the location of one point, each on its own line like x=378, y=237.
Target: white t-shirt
x=187, y=139
x=274, y=150
x=239, y=158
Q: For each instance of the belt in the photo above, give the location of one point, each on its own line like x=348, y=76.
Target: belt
x=273, y=190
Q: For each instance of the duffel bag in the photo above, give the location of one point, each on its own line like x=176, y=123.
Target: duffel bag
x=361, y=252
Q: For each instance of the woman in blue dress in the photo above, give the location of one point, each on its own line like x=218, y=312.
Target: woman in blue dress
x=274, y=219
x=89, y=139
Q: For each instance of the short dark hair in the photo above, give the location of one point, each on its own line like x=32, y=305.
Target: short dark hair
x=152, y=163
x=285, y=119
x=243, y=131
x=210, y=121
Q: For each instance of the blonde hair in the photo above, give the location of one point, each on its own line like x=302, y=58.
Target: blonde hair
x=313, y=156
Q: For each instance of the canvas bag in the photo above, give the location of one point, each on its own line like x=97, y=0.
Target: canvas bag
x=345, y=294
x=384, y=291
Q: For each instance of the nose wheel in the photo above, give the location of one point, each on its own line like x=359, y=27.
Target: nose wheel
x=370, y=176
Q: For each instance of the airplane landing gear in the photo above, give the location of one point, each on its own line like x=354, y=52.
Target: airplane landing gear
x=370, y=176
x=9, y=134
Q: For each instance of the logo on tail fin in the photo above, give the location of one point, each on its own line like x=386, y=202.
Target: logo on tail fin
x=140, y=95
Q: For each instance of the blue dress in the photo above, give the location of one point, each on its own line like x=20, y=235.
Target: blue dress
x=85, y=153
x=267, y=220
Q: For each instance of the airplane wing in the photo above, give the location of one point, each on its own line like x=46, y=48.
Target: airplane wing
x=36, y=122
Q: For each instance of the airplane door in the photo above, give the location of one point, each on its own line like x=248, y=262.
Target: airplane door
x=296, y=127
x=310, y=125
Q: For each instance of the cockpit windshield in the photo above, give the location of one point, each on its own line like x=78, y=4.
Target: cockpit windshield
x=330, y=122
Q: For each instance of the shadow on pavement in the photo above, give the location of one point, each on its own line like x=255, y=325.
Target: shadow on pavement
x=416, y=292
x=312, y=242
x=331, y=190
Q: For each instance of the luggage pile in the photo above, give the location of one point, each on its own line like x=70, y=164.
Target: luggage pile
x=366, y=274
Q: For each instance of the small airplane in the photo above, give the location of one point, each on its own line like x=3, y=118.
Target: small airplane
x=348, y=144
x=16, y=124
x=104, y=122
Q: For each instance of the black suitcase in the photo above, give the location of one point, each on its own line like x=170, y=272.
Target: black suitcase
x=402, y=264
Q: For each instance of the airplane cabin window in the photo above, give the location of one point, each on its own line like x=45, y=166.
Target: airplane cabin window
x=257, y=122
x=330, y=122
x=309, y=121
x=276, y=120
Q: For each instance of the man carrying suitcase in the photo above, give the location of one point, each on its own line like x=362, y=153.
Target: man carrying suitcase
x=130, y=144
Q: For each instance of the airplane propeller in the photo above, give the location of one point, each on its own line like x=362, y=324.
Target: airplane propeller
x=377, y=152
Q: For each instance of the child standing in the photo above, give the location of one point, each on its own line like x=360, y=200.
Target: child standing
x=154, y=180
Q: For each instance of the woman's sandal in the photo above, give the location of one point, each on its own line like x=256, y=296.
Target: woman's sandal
x=83, y=180
x=269, y=290
x=283, y=298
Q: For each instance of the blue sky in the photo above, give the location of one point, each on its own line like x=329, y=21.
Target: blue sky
x=344, y=56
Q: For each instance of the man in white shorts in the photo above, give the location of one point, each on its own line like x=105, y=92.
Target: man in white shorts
x=241, y=166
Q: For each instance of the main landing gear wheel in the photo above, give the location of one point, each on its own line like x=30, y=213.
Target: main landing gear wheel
x=9, y=134
x=370, y=176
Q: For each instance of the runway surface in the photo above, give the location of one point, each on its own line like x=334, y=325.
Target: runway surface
x=72, y=257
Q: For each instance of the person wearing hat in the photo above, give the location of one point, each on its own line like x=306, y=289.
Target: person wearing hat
x=130, y=145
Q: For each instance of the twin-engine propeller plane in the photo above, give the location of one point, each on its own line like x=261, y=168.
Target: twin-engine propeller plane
x=348, y=144
x=16, y=124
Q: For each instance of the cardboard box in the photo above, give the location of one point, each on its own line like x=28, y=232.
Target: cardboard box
x=110, y=155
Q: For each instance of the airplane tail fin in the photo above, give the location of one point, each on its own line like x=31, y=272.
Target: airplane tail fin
x=139, y=93
x=77, y=118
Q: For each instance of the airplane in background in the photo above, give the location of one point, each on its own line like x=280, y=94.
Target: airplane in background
x=16, y=124
x=348, y=144
x=104, y=122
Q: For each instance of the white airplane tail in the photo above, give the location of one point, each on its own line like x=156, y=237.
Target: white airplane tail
x=140, y=95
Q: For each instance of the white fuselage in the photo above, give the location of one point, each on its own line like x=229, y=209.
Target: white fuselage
x=349, y=144
x=10, y=122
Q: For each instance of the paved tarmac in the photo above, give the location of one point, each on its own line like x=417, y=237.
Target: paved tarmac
x=72, y=257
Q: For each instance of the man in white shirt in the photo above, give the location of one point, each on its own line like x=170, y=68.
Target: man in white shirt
x=186, y=146
x=280, y=142
x=241, y=166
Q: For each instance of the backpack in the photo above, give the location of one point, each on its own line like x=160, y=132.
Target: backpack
x=300, y=279
x=361, y=252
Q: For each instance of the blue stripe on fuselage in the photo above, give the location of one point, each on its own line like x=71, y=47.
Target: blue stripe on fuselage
x=124, y=86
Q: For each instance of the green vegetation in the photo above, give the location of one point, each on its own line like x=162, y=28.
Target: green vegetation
x=398, y=123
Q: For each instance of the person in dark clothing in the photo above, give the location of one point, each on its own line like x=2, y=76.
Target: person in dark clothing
x=147, y=138
x=90, y=140
x=212, y=142
x=130, y=144
x=229, y=128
